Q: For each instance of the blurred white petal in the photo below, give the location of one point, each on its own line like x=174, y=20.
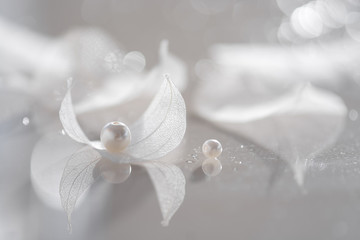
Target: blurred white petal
x=169, y=183
x=77, y=177
x=324, y=63
x=162, y=126
x=225, y=95
x=168, y=64
x=115, y=91
x=299, y=131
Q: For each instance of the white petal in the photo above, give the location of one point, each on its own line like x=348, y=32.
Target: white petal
x=169, y=183
x=69, y=122
x=168, y=64
x=310, y=62
x=225, y=95
x=162, y=126
x=68, y=118
x=172, y=65
x=77, y=177
x=298, y=132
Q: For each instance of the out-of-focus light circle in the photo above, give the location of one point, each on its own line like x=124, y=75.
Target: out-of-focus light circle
x=353, y=115
x=353, y=25
x=332, y=12
x=135, y=61
x=26, y=121
x=285, y=33
x=306, y=22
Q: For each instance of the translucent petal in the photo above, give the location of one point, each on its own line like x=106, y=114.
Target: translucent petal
x=69, y=122
x=162, y=126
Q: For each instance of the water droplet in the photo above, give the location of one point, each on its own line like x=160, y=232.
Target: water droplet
x=63, y=132
x=241, y=146
x=193, y=158
x=26, y=121
x=353, y=115
x=197, y=150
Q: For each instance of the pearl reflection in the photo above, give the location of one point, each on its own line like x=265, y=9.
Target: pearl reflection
x=212, y=167
x=114, y=172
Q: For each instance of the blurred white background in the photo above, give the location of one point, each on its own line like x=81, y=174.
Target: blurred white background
x=276, y=81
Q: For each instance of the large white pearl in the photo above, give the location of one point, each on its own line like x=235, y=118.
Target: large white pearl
x=211, y=167
x=115, y=172
x=115, y=136
x=212, y=148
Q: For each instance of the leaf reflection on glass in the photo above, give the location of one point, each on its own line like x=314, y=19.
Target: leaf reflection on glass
x=77, y=177
x=169, y=183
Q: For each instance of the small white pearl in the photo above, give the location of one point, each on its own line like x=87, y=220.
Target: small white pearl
x=115, y=172
x=212, y=148
x=211, y=167
x=115, y=136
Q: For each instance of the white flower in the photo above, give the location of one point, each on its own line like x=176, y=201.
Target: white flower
x=159, y=131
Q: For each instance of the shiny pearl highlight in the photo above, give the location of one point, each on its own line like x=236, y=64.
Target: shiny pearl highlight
x=211, y=167
x=115, y=136
x=212, y=148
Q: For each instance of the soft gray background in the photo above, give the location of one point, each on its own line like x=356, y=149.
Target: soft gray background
x=255, y=196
